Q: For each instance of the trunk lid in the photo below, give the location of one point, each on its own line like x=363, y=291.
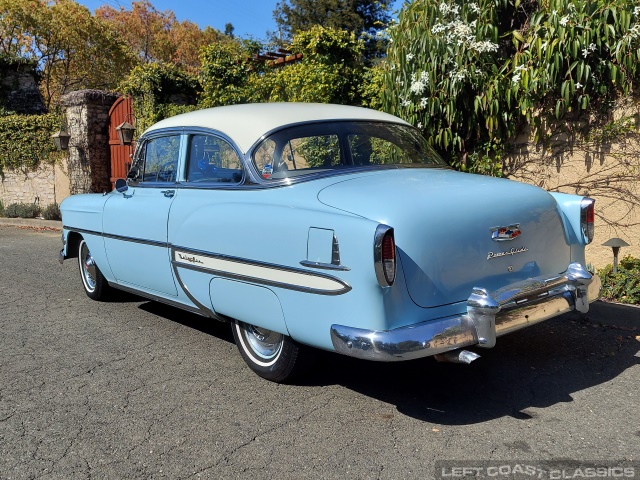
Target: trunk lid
x=443, y=223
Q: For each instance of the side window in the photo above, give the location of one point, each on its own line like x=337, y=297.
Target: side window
x=161, y=159
x=277, y=161
x=212, y=159
x=369, y=150
x=137, y=167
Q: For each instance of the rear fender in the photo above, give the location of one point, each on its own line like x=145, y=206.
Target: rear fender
x=569, y=207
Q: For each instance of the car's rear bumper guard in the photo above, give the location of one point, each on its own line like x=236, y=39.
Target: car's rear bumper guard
x=489, y=315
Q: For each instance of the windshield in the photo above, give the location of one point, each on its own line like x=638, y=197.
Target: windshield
x=328, y=146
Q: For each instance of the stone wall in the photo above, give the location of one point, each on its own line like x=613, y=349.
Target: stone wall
x=19, y=88
x=87, y=164
x=609, y=172
x=88, y=160
x=29, y=187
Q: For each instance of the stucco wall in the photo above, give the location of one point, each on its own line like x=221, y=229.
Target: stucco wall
x=607, y=172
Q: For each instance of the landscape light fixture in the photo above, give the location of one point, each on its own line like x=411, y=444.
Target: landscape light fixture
x=615, y=244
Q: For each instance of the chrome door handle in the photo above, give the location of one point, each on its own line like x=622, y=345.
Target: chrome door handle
x=168, y=193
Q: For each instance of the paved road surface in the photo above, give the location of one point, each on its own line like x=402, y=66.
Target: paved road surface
x=134, y=389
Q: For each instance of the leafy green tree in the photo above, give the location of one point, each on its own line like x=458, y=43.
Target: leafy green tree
x=226, y=70
x=331, y=70
x=160, y=90
x=72, y=48
x=361, y=17
x=157, y=36
x=470, y=75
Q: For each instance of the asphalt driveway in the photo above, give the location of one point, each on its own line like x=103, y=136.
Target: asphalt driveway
x=135, y=389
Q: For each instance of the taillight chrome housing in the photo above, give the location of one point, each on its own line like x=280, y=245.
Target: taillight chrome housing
x=587, y=215
x=384, y=255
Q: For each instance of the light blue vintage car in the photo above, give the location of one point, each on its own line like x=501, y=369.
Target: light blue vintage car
x=332, y=227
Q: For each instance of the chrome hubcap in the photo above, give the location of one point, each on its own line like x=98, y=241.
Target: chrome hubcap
x=264, y=343
x=88, y=266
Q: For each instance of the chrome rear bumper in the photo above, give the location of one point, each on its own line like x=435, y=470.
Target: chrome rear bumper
x=489, y=315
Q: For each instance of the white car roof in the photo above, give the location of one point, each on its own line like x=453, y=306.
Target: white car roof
x=246, y=123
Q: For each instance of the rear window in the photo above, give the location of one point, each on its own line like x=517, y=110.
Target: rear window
x=339, y=146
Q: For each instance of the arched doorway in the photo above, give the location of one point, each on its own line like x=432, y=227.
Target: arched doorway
x=121, y=111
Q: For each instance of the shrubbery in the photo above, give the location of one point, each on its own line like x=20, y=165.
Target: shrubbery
x=472, y=74
x=22, y=210
x=623, y=286
x=52, y=212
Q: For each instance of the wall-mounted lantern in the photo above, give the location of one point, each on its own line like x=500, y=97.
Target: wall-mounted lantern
x=61, y=139
x=615, y=244
x=125, y=133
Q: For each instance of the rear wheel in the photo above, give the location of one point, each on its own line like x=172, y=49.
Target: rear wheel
x=272, y=355
x=94, y=283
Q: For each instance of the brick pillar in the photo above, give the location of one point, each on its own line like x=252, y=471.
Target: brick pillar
x=88, y=158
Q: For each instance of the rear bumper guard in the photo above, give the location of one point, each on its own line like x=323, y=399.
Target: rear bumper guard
x=489, y=315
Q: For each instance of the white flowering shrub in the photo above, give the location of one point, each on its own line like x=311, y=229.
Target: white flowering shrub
x=575, y=55
x=472, y=74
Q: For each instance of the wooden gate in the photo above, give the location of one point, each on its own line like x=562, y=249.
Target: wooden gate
x=120, y=111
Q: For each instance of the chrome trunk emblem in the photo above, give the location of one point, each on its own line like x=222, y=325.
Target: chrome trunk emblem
x=504, y=234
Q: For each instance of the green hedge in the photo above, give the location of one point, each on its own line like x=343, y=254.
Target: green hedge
x=22, y=210
x=623, y=286
x=25, y=141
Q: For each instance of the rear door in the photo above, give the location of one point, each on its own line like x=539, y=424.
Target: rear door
x=135, y=222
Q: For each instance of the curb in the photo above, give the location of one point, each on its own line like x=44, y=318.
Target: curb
x=32, y=222
x=615, y=314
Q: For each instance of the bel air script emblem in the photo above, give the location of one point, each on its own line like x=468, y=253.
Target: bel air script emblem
x=504, y=234
x=190, y=259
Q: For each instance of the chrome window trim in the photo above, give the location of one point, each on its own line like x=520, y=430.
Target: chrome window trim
x=315, y=175
x=190, y=131
x=144, y=139
x=381, y=231
x=289, y=286
x=252, y=179
x=186, y=132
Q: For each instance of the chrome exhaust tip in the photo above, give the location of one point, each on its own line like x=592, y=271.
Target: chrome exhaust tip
x=457, y=356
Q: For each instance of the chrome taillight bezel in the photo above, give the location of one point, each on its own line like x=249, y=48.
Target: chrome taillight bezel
x=385, y=269
x=587, y=213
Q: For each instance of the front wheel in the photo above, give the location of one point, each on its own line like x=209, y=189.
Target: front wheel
x=272, y=355
x=94, y=283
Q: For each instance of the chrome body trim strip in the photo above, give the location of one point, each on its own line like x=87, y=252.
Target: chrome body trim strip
x=205, y=310
x=323, y=266
x=155, y=298
x=154, y=243
x=198, y=264
x=489, y=314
